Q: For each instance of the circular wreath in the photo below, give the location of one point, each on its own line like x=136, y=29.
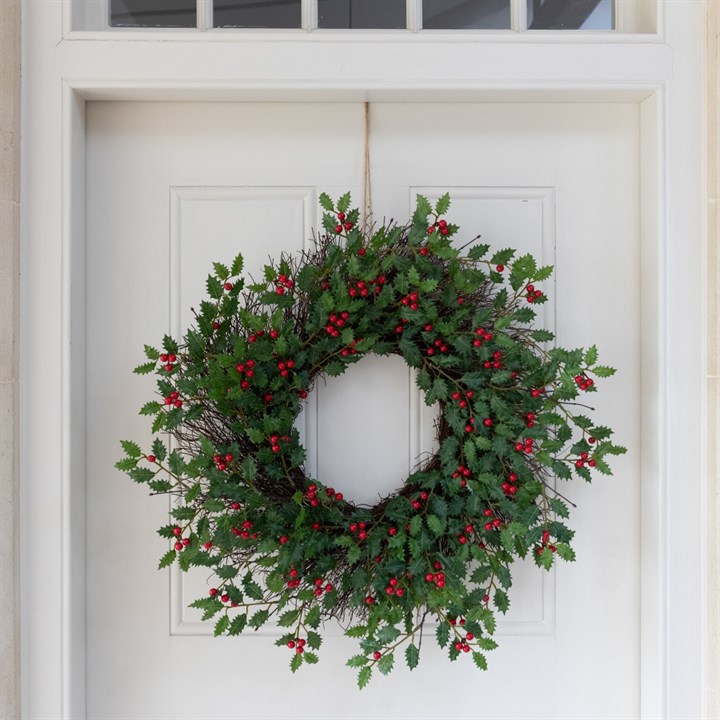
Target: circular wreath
x=284, y=548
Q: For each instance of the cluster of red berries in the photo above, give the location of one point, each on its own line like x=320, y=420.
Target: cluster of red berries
x=530, y=419
x=411, y=300
x=181, y=543
x=321, y=586
x=493, y=524
x=525, y=445
x=462, y=402
x=275, y=442
x=174, y=399
x=509, y=487
x=400, y=328
x=169, y=360
x=482, y=334
x=213, y=592
x=463, y=537
x=221, y=462
x=350, y=350
x=533, y=295
x=359, y=528
x=393, y=588
x=417, y=502
x=298, y=644
x=285, y=366
x=437, y=577
x=311, y=495
x=463, y=473
x=584, y=382
x=537, y=392
x=362, y=288
x=244, y=531
x=440, y=226
x=585, y=458
x=461, y=643
x=441, y=345
x=330, y=492
x=335, y=322
x=470, y=425
x=253, y=338
x=342, y=225
x=247, y=369
x=294, y=580
x=424, y=250
x=544, y=543
x=283, y=283
x=495, y=363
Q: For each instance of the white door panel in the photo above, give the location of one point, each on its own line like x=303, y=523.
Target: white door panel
x=172, y=187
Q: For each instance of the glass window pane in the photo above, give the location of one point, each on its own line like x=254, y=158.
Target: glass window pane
x=348, y=14
x=257, y=13
x=466, y=14
x=571, y=14
x=153, y=13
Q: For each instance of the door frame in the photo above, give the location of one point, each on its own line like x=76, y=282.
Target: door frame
x=663, y=73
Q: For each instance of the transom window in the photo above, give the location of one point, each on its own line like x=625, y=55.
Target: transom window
x=364, y=14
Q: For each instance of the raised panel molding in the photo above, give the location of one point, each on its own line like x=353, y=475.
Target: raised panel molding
x=215, y=223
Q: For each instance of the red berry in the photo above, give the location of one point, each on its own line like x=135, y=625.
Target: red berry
x=228, y=286
x=499, y=268
x=369, y=600
x=377, y=655
x=151, y=458
x=213, y=592
x=283, y=539
x=179, y=545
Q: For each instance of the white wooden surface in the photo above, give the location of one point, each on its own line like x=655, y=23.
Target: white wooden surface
x=662, y=74
x=559, y=180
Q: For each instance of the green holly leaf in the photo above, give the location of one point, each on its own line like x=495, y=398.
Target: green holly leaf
x=238, y=624
x=221, y=625
x=412, y=656
x=343, y=202
x=386, y=663
x=259, y=618
x=312, y=619
x=591, y=355
x=502, y=603
x=603, y=371
x=436, y=525
x=364, y=677
x=442, y=634
x=357, y=661
x=296, y=662
x=326, y=202
x=237, y=265
x=131, y=449
x=565, y=551
x=480, y=661
x=167, y=559
x=443, y=204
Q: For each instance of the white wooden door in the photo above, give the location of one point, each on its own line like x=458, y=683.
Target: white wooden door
x=171, y=187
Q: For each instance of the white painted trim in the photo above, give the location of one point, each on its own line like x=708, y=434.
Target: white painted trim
x=60, y=73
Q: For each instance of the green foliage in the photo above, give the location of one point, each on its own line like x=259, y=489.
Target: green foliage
x=277, y=551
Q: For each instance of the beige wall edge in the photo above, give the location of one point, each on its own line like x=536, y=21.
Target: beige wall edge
x=713, y=359
x=9, y=325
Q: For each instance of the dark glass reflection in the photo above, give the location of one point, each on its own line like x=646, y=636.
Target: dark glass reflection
x=257, y=13
x=466, y=14
x=153, y=13
x=348, y=14
x=570, y=14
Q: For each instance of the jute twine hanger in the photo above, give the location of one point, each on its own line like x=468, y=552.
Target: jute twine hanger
x=367, y=218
